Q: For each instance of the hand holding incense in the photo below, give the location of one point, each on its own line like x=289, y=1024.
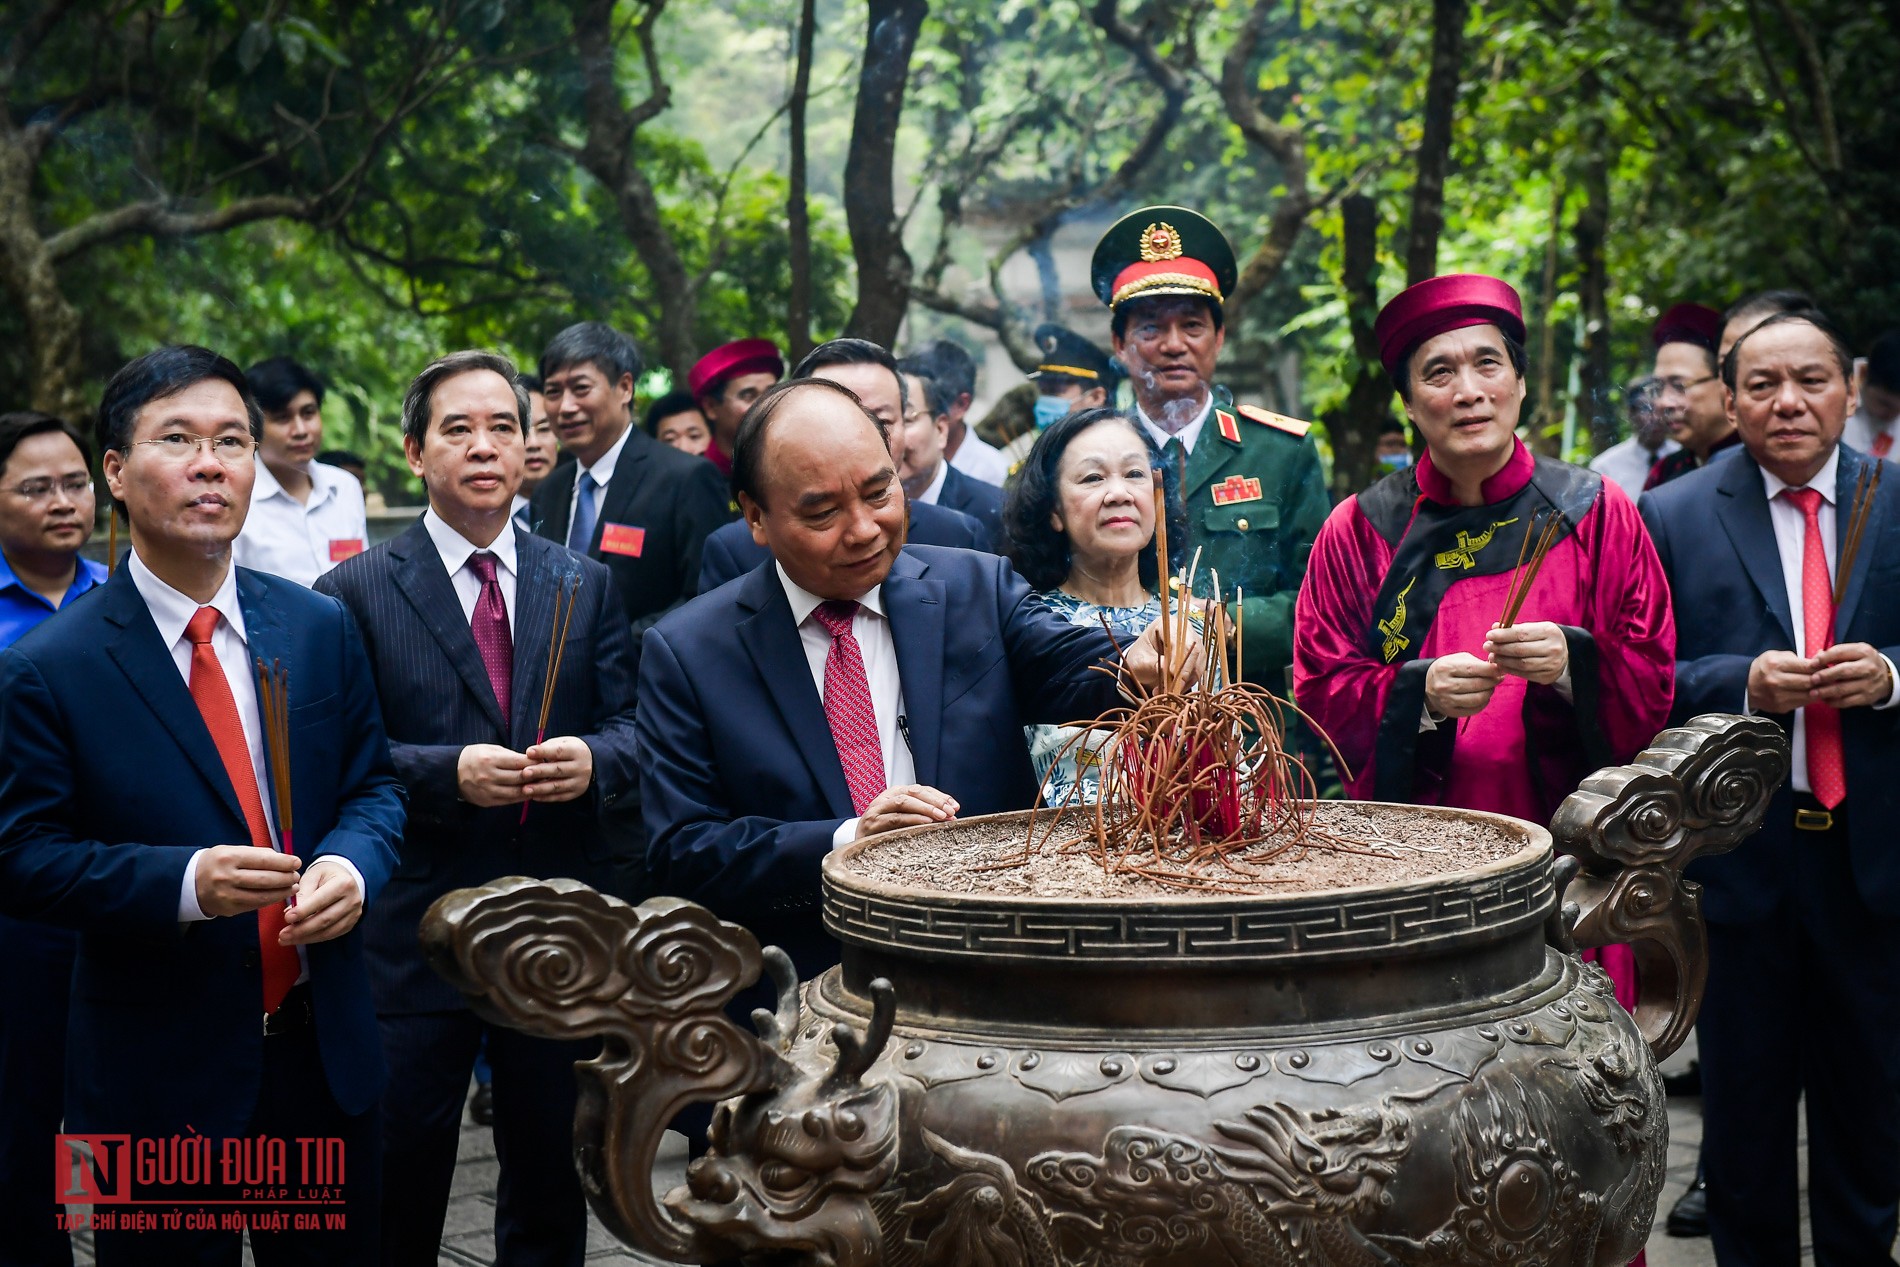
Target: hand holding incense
x=564, y=598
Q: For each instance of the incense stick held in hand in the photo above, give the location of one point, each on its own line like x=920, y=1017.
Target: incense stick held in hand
x=273, y=700
x=1163, y=567
x=1865, y=489
x=564, y=598
x=1524, y=575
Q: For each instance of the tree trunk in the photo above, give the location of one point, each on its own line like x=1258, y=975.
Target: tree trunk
x=31, y=280
x=870, y=205
x=608, y=154
x=1434, y=149
x=1368, y=404
x=798, y=210
x=1596, y=393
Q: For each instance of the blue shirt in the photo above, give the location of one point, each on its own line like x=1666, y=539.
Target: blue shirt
x=21, y=608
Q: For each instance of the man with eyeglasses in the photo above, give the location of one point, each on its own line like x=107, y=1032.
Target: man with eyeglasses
x=46, y=510
x=1688, y=390
x=1629, y=461
x=220, y=987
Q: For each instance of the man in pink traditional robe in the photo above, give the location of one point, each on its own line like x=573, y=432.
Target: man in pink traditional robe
x=1397, y=653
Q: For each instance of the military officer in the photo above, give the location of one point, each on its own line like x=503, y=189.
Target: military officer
x=1244, y=484
x=1072, y=374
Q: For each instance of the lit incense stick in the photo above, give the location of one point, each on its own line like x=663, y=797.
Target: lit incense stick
x=564, y=598
x=273, y=698
x=1866, y=488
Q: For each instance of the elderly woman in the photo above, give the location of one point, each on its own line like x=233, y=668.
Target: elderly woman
x=1080, y=523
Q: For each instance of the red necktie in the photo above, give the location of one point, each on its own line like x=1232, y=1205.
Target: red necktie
x=1883, y=444
x=1827, y=770
x=848, y=706
x=211, y=691
x=489, y=624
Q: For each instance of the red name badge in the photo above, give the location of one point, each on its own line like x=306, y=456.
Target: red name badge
x=622, y=539
x=343, y=548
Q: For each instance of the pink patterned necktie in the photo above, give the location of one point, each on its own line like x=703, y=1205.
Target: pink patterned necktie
x=1827, y=767
x=848, y=705
x=489, y=624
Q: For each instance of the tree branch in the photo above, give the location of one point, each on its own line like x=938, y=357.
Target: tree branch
x=1286, y=145
x=156, y=218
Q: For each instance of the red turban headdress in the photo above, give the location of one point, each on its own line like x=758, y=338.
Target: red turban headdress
x=729, y=360
x=1438, y=304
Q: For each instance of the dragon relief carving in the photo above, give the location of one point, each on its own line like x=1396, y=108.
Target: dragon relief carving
x=797, y=1168
x=1283, y=1190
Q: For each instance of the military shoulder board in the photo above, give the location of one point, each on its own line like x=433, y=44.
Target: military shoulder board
x=1292, y=426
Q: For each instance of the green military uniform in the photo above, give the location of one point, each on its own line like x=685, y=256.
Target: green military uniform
x=1252, y=501
x=1251, y=497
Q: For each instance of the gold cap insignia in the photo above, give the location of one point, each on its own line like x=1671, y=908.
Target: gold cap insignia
x=1160, y=242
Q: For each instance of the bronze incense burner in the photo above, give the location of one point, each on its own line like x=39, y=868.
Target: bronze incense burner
x=1413, y=1074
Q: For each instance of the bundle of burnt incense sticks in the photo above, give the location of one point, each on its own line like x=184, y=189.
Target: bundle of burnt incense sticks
x=1529, y=559
x=273, y=702
x=564, y=596
x=1866, y=488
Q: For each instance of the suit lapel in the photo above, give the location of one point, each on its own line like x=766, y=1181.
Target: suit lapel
x=1846, y=473
x=951, y=496
x=425, y=585
x=772, y=640
x=149, y=667
x=1744, y=516
x=630, y=473
x=915, y=609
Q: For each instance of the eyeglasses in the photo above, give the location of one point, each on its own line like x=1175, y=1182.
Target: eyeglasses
x=181, y=446
x=1680, y=386
x=39, y=490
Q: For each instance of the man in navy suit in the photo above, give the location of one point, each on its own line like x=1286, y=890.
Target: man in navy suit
x=928, y=477
x=641, y=507
x=1804, y=917
x=871, y=372
x=457, y=614
x=844, y=689
x=137, y=805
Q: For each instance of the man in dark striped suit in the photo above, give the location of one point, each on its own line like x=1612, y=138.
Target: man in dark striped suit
x=458, y=614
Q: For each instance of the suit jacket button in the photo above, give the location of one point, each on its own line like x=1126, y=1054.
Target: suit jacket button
x=251, y=958
x=1241, y=524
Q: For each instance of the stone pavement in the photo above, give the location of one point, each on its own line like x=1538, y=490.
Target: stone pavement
x=468, y=1239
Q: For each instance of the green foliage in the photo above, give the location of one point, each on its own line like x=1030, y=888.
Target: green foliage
x=1746, y=144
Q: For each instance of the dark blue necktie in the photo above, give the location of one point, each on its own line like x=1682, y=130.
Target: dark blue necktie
x=580, y=534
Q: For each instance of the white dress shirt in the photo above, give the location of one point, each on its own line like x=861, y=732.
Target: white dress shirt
x=873, y=633
x=1791, y=537
x=1186, y=435
x=300, y=541
x=603, y=472
x=980, y=461
x=930, y=495
x=1626, y=463
x=171, y=612
x=456, y=550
